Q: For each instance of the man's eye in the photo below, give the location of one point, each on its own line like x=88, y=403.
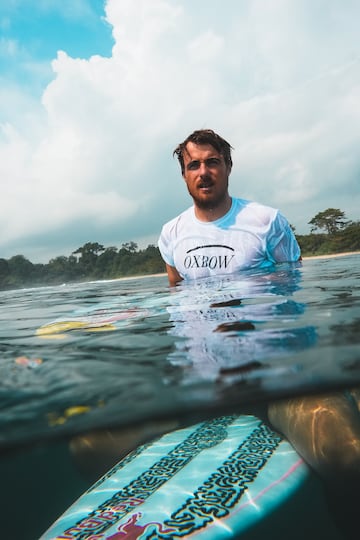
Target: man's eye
x=213, y=162
x=193, y=165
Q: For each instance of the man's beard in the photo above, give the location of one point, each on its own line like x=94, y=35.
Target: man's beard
x=210, y=203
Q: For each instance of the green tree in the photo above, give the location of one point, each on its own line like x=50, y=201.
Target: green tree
x=62, y=269
x=105, y=263
x=350, y=240
x=20, y=268
x=331, y=220
x=89, y=251
x=4, y=272
x=131, y=247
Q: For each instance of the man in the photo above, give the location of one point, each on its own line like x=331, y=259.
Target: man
x=220, y=234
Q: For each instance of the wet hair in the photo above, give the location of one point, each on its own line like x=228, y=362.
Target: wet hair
x=205, y=136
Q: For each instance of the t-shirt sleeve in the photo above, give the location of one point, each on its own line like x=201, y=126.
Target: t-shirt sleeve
x=282, y=245
x=164, y=244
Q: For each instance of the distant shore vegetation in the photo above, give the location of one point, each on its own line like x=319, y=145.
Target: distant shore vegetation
x=331, y=233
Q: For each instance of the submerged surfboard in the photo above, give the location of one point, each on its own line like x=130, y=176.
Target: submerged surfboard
x=100, y=319
x=212, y=480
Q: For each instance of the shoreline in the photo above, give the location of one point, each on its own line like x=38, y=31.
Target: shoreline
x=330, y=255
x=164, y=274
x=305, y=258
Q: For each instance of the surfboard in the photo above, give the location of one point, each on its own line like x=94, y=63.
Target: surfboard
x=213, y=480
x=100, y=319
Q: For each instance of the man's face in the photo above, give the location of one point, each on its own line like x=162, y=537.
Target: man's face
x=206, y=175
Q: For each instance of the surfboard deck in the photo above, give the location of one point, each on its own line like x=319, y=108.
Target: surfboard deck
x=212, y=480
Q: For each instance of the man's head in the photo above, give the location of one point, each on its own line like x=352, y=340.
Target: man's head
x=205, y=137
x=205, y=160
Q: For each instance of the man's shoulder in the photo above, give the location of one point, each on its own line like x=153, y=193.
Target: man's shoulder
x=253, y=207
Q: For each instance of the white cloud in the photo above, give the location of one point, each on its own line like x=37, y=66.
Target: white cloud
x=280, y=81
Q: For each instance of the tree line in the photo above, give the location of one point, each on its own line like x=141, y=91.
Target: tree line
x=91, y=261
x=330, y=233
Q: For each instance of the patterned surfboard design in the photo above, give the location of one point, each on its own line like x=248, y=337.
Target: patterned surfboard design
x=211, y=480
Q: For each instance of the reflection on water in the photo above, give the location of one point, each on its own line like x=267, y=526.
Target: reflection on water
x=135, y=354
x=234, y=326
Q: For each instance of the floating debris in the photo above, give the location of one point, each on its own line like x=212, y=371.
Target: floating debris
x=28, y=362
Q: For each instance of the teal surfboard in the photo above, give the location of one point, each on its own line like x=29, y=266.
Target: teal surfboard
x=213, y=480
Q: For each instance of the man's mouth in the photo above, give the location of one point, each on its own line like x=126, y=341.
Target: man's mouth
x=205, y=184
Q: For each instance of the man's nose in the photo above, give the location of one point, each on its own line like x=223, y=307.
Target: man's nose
x=203, y=169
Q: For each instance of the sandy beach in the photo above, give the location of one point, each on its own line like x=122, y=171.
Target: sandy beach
x=331, y=256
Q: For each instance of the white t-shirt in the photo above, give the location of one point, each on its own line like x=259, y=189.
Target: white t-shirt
x=250, y=235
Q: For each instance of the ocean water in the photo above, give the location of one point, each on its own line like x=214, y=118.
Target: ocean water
x=107, y=365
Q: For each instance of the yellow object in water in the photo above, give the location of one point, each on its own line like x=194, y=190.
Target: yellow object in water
x=56, y=420
x=58, y=328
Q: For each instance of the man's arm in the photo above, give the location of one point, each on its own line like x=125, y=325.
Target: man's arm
x=282, y=244
x=173, y=275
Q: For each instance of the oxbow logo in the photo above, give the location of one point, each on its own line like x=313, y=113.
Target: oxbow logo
x=212, y=261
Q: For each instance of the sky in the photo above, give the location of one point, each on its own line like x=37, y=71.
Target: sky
x=95, y=95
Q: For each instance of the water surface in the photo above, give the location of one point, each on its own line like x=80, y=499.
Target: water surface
x=123, y=353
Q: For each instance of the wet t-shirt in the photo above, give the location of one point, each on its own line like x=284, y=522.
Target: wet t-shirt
x=250, y=235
